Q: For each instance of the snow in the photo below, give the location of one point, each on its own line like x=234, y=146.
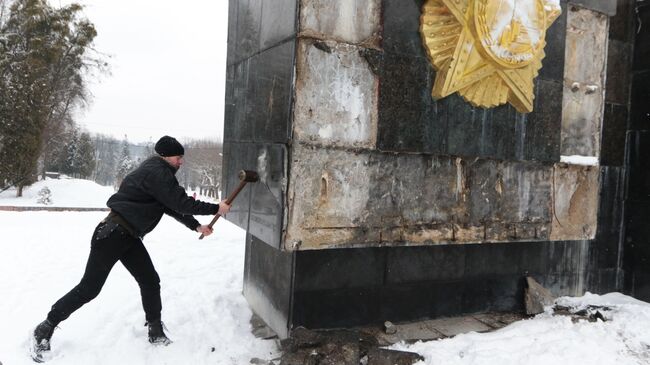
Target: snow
x=43, y=254
x=65, y=192
x=553, y=4
x=546, y=339
x=521, y=11
x=580, y=160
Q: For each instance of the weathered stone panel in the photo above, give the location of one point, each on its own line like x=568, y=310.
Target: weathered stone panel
x=346, y=21
x=583, y=100
x=575, y=202
x=336, y=95
x=341, y=198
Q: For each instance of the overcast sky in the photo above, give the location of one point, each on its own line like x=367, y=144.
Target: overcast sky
x=168, y=68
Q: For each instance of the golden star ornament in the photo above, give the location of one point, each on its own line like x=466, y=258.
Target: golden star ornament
x=489, y=51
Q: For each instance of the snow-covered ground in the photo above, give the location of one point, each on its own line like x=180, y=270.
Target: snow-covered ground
x=42, y=256
x=546, y=339
x=65, y=192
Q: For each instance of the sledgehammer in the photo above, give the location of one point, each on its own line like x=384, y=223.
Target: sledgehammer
x=245, y=176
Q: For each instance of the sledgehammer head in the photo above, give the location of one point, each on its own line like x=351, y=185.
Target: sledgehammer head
x=248, y=176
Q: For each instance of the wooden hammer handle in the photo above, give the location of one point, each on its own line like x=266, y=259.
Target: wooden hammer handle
x=228, y=201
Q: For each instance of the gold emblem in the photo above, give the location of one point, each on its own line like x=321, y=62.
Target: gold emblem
x=489, y=51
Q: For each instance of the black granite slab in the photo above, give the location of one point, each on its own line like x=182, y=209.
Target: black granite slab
x=238, y=156
x=621, y=25
x=465, y=125
x=607, y=7
x=336, y=308
x=257, y=25
x=606, y=244
x=230, y=104
x=268, y=195
x=639, y=165
x=419, y=264
x=400, y=33
x=619, y=64
x=259, y=94
x=637, y=249
x=398, y=302
x=339, y=269
x=607, y=280
x=640, y=107
x=484, y=260
x=542, y=132
x=272, y=90
x=358, y=286
x=615, y=119
x=493, y=293
x=278, y=22
x=267, y=283
x=640, y=288
x=553, y=63
x=409, y=119
x=642, y=36
x=239, y=127
x=233, y=6
x=249, y=15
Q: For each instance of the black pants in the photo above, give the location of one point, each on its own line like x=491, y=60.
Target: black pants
x=112, y=243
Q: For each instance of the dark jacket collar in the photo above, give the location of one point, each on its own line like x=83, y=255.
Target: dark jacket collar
x=155, y=159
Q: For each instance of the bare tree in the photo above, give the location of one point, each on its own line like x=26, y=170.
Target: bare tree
x=4, y=5
x=202, y=169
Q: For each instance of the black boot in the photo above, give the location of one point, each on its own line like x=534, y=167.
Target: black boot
x=156, y=334
x=42, y=335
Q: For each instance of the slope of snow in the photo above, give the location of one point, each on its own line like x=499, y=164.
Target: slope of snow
x=67, y=192
x=580, y=160
x=547, y=339
x=42, y=257
x=43, y=254
x=64, y=193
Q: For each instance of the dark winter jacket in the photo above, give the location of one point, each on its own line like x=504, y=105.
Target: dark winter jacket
x=152, y=190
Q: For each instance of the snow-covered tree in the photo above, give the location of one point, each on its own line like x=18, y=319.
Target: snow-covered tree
x=44, y=57
x=44, y=196
x=106, y=157
x=72, y=146
x=4, y=11
x=124, y=164
x=202, y=168
x=85, y=156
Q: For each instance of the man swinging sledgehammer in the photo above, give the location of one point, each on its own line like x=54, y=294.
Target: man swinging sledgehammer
x=144, y=196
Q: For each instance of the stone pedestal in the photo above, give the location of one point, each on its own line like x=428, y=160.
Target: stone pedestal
x=378, y=202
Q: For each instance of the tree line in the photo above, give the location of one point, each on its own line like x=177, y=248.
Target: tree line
x=113, y=159
x=46, y=59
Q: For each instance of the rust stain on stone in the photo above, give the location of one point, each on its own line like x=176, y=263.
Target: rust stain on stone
x=575, y=203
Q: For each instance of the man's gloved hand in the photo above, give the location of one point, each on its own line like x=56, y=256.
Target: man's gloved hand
x=223, y=207
x=204, y=229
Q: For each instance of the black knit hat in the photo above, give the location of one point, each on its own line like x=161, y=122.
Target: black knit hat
x=169, y=146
